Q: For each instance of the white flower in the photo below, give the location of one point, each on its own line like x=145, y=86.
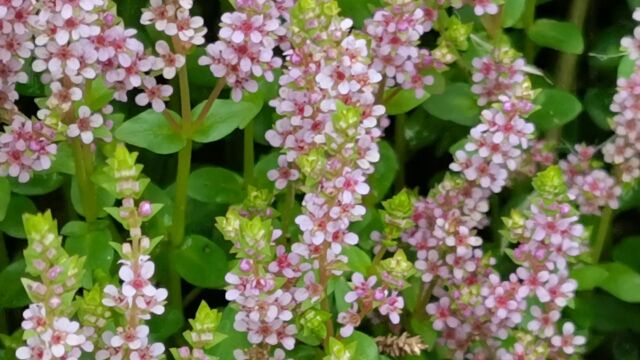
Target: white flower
x=85, y=124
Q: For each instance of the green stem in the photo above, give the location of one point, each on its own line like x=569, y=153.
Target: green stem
x=182, y=183
x=249, y=157
x=4, y=262
x=603, y=234
x=565, y=73
x=324, y=303
x=287, y=209
x=420, y=310
x=527, y=21
x=400, y=142
x=83, y=158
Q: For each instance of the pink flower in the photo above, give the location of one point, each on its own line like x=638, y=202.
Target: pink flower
x=349, y=320
x=392, y=307
x=154, y=94
x=543, y=323
x=361, y=288
x=168, y=62
x=62, y=335
x=134, y=338
x=159, y=14
x=442, y=313
x=482, y=7
x=283, y=174
x=85, y=124
x=568, y=341
x=136, y=280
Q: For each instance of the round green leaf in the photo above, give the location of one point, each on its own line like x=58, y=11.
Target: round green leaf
x=359, y=261
x=597, y=102
x=99, y=94
x=39, y=184
x=224, y=117
x=12, y=223
x=512, y=12
x=150, y=130
x=457, y=103
x=588, y=276
x=234, y=340
x=202, y=263
x=216, y=185
x=603, y=312
x=382, y=179
x=622, y=282
x=405, y=100
x=165, y=325
x=367, y=348
x=90, y=241
x=5, y=196
x=105, y=199
x=266, y=163
x=559, y=35
x=626, y=67
x=557, y=107
x=63, y=161
x=13, y=294
x=627, y=252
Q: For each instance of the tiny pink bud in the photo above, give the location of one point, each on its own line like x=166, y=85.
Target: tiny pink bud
x=108, y=18
x=246, y=265
x=145, y=243
x=184, y=352
x=145, y=209
x=53, y=273
x=54, y=302
x=379, y=294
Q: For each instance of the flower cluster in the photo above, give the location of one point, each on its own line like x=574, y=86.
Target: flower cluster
x=395, y=33
x=137, y=298
x=245, y=49
x=174, y=19
x=623, y=150
x=49, y=331
x=592, y=189
x=497, y=144
x=26, y=146
x=263, y=285
x=16, y=45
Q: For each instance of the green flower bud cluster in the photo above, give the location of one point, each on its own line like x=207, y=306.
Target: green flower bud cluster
x=396, y=215
x=339, y=351
x=396, y=270
x=312, y=17
x=122, y=175
x=252, y=238
x=59, y=274
x=313, y=324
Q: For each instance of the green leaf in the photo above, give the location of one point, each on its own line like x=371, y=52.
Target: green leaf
x=559, y=35
x=105, y=199
x=235, y=339
x=63, y=162
x=627, y=252
x=12, y=223
x=216, y=185
x=367, y=348
x=150, y=130
x=622, y=282
x=359, y=11
x=5, y=196
x=457, y=103
x=39, y=184
x=33, y=87
x=198, y=74
x=266, y=163
x=405, y=100
x=165, y=325
x=557, y=107
x=223, y=118
x=603, y=312
x=202, y=263
x=588, y=276
x=512, y=12
x=90, y=241
x=340, y=289
x=626, y=67
x=359, y=260
x=13, y=294
x=99, y=95
x=382, y=179
x=597, y=102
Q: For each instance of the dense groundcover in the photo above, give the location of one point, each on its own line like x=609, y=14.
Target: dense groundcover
x=319, y=179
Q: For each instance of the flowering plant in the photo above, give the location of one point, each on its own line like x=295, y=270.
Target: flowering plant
x=421, y=179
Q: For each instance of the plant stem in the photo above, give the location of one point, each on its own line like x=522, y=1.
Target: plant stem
x=83, y=158
x=287, y=209
x=324, y=303
x=4, y=262
x=400, y=143
x=565, y=74
x=212, y=99
x=249, y=157
x=527, y=21
x=182, y=183
x=420, y=310
x=603, y=234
